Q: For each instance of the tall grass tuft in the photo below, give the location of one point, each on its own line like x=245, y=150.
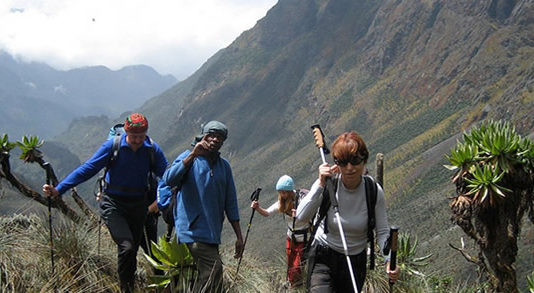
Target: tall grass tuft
x=25, y=257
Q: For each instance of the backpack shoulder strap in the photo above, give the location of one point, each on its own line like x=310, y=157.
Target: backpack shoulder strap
x=152, y=184
x=370, y=199
x=323, y=210
x=114, y=153
x=152, y=156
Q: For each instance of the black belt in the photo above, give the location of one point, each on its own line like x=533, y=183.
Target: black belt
x=325, y=250
x=125, y=189
x=126, y=198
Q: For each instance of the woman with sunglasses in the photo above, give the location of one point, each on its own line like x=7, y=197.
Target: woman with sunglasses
x=328, y=267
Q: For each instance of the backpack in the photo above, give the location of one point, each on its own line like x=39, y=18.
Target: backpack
x=371, y=191
x=300, y=193
x=116, y=133
x=167, y=212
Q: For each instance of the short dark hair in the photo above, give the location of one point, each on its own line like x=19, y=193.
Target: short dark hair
x=348, y=145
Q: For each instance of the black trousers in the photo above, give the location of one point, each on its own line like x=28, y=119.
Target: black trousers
x=328, y=270
x=125, y=218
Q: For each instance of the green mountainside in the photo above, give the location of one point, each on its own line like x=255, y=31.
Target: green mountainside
x=410, y=76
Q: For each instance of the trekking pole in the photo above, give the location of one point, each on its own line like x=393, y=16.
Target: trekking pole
x=254, y=196
x=319, y=142
x=49, y=176
x=98, y=196
x=393, y=234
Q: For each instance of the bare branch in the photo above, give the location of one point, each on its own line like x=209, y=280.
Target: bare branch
x=25, y=190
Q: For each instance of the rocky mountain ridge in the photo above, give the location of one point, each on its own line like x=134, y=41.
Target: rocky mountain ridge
x=40, y=100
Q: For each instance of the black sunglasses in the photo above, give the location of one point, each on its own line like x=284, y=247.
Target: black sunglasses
x=354, y=161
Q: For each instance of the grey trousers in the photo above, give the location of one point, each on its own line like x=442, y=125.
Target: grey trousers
x=209, y=266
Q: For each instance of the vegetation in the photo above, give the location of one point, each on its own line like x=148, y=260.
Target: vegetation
x=31, y=154
x=25, y=263
x=175, y=261
x=494, y=181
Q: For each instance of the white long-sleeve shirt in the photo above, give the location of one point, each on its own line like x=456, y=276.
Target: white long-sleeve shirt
x=299, y=225
x=353, y=216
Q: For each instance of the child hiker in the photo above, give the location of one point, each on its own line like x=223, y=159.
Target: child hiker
x=297, y=231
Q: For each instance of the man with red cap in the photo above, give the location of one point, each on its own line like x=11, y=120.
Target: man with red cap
x=123, y=206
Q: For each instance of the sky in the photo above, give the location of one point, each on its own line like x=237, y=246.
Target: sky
x=172, y=36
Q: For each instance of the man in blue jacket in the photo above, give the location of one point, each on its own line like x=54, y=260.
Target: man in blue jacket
x=123, y=205
x=207, y=193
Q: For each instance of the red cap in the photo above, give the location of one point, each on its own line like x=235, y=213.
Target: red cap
x=136, y=122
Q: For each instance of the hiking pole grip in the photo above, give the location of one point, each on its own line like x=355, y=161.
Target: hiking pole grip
x=50, y=175
x=318, y=136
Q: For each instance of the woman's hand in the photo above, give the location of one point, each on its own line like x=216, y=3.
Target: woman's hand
x=325, y=171
x=255, y=204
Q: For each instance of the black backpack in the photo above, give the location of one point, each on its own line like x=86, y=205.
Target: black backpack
x=167, y=213
x=300, y=193
x=371, y=191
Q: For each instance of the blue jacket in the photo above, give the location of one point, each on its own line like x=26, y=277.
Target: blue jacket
x=130, y=170
x=207, y=193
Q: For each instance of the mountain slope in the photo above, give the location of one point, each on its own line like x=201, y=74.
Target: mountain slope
x=408, y=75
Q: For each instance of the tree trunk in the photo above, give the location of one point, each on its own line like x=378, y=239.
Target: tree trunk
x=499, y=227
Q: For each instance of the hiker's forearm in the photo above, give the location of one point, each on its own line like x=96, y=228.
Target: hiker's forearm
x=188, y=161
x=173, y=176
x=237, y=229
x=262, y=211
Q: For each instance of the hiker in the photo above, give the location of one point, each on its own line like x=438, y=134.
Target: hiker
x=327, y=264
x=207, y=192
x=150, y=230
x=123, y=206
x=297, y=231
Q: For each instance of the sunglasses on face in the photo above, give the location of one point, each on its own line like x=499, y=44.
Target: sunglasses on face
x=354, y=161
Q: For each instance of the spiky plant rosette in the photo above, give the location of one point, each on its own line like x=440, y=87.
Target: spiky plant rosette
x=486, y=163
x=30, y=148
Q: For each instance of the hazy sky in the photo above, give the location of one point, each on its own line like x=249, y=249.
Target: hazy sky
x=172, y=36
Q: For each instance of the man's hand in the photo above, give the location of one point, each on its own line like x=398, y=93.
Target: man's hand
x=202, y=148
x=238, y=248
x=153, y=208
x=50, y=190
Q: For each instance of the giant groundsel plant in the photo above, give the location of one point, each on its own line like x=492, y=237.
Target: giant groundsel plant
x=494, y=177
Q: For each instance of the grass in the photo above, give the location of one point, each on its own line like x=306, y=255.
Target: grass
x=25, y=264
x=25, y=260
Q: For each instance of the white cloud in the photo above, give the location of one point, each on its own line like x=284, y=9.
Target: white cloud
x=173, y=36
